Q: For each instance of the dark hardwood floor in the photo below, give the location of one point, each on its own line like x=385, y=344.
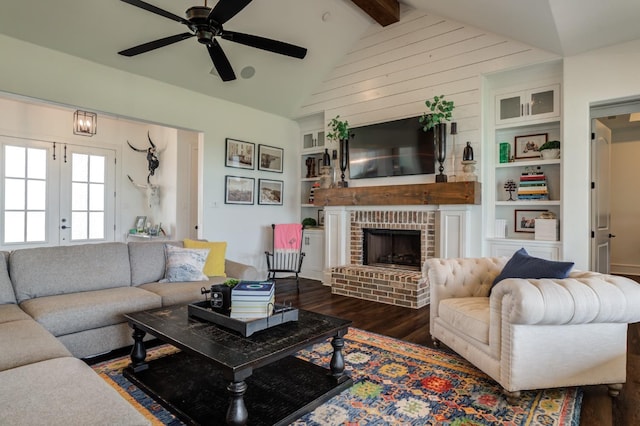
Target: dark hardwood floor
x=412, y=325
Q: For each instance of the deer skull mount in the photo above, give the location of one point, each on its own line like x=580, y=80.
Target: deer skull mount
x=152, y=157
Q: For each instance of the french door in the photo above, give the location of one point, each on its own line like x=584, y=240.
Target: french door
x=55, y=193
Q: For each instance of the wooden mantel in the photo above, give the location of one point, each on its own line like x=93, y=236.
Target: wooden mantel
x=416, y=194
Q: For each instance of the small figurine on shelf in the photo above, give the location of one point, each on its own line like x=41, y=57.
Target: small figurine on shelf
x=510, y=186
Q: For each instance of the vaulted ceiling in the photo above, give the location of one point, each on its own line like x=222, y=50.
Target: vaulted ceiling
x=96, y=30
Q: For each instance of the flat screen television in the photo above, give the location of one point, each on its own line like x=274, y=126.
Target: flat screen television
x=394, y=148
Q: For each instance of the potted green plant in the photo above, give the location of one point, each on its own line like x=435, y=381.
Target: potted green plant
x=440, y=111
x=550, y=150
x=340, y=132
x=339, y=129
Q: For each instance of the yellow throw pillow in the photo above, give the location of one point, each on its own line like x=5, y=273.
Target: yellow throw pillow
x=214, y=267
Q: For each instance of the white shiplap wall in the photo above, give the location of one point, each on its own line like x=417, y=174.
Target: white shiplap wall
x=391, y=71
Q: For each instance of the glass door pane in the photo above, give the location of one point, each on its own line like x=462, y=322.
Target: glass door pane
x=25, y=194
x=87, y=197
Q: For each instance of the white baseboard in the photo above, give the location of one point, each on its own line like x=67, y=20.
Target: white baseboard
x=623, y=269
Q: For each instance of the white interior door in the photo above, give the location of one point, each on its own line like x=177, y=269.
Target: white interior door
x=600, y=201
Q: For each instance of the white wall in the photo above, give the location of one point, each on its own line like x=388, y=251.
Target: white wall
x=52, y=123
x=392, y=71
x=41, y=73
x=596, y=77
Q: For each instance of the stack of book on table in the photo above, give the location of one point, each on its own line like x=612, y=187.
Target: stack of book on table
x=252, y=299
x=533, y=186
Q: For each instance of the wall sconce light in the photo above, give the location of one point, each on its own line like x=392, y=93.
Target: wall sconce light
x=85, y=123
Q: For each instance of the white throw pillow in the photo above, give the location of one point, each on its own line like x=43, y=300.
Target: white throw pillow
x=184, y=264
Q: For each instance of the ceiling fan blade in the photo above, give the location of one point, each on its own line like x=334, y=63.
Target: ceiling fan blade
x=268, y=44
x=227, y=9
x=220, y=61
x=146, y=47
x=153, y=9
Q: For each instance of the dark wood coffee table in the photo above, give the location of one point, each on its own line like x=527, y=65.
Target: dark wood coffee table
x=220, y=376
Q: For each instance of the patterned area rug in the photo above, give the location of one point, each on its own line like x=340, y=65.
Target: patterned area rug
x=395, y=383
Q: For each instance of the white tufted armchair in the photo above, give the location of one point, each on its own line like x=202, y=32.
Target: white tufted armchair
x=533, y=333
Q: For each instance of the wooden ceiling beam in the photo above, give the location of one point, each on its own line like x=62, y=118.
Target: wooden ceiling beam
x=384, y=12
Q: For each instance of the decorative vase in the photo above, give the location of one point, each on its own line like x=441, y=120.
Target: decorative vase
x=325, y=177
x=550, y=154
x=440, y=141
x=326, y=159
x=344, y=161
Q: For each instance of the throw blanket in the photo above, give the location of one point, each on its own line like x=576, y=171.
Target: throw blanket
x=287, y=237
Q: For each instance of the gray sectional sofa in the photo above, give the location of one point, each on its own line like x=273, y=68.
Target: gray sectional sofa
x=59, y=304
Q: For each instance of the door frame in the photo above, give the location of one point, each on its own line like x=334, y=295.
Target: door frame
x=603, y=110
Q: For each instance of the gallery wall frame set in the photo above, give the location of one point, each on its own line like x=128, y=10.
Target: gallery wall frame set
x=239, y=154
x=270, y=158
x=270, y=192
x=239, y=190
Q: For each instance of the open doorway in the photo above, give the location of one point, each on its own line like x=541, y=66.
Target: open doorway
x=615, y=207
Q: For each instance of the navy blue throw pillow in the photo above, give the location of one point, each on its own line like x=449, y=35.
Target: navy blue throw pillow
x=521, y=265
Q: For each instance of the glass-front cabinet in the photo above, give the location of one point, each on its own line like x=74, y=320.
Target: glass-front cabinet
x=528, y=105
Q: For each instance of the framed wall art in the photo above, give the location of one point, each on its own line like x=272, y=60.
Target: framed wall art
x=270, y=192
x=239, y=154
x=528, y=146
x=525, y=220
x=270, y=158
x=321, y=217
x=238, y=190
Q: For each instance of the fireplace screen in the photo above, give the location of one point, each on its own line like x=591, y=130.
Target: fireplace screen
x=398, y=248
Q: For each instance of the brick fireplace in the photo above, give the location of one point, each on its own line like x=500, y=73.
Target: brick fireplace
x=394, y=285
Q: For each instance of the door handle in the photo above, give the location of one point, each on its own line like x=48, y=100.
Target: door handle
x=65, y=227
x=611, y=236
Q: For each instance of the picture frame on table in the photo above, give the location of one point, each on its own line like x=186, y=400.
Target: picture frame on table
x=270, y=158
x=525, y=220
x=239, y=190
x=140, y=223
x=321, y=217
x=528, y=146
x=239, y=154
x=270, y=192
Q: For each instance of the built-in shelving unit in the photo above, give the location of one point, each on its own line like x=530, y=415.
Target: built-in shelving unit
x=532, y=108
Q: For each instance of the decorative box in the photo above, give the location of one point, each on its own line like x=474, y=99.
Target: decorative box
x=547, y=229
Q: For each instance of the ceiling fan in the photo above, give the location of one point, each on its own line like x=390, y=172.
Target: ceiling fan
x=206, y=23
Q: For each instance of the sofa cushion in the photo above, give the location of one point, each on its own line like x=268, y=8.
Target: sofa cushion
x=469, y=315
x=49, y=271
x=216, y=258
x=11, y=312
x=147, y=260
x=62, y=391
x=7, y=294
x=25, y=342
x=521, y=265
x=180, y=293
x=181, y=264
x=71, y=313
